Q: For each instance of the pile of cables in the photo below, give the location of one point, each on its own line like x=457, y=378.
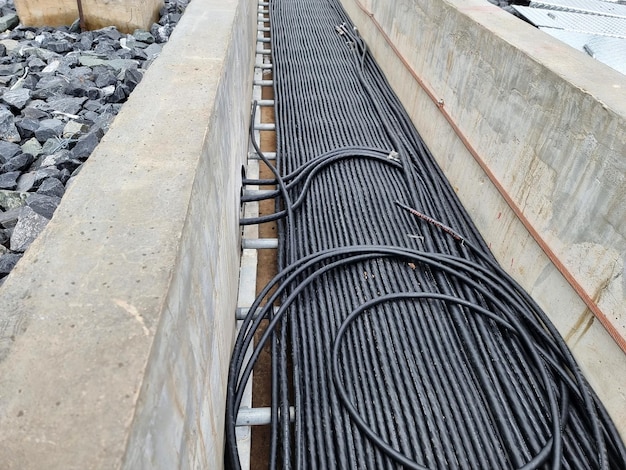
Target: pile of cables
x=398, y=341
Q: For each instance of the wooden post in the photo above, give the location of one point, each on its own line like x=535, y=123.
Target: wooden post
x=81, y=16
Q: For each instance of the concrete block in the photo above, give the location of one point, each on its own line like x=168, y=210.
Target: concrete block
x=127, y=15
x=117, y=326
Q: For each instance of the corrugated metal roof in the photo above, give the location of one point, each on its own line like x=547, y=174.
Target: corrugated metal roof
x=572, y=38
x=608, y=50
x=582, y=6
x=581, y=22
x=611, y=51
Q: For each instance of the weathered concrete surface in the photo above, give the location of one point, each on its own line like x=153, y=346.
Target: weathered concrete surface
x=127, y=15
x=550, y=123
x=116, y=327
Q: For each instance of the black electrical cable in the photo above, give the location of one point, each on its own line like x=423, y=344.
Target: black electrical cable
x=362, y=424
x=451, y=265
x=307, y=172
x=453, y=365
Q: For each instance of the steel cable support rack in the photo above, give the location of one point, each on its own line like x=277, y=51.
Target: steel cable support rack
x=250, y=241
x=399, y=341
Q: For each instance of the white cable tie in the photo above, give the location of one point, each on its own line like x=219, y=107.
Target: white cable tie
x=393, y=155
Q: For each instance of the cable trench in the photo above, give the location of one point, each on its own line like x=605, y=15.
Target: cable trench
x=399, y=341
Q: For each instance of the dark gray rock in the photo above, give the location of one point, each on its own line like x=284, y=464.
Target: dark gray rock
x=105, y=78
x=44, y=54
x=93, y=93
x=119, y=95
x=8, y=150
x=138, y=53
x=124, y=54
x=132, y=77
x=49, y=128
x=17, y=98
x=8, y=131
x=75, y=26
x=63, y=159
x=30, y=81
x=27, y=126
x=8, y=262
x=83, y=73
x=9, y=180
x=26, y=182
x=48, y=55
x=9, y=21
x=69, y=105
x=84, y=43
x=18, y=163
x=28, y=227
x=59, y=46
x=64, y=176
x=65, y=69
x=86, y=145
x=89, y=116
x=92, y=82
x=92, y=105
x=109, y=32
x=105, y=50
x=51, y=187
x=44, y=173
x=11, y=69
x=48, y=86
x=43, y=204
x=78, y=87
x=35, y=64
x=5, y=236
x=34, y=111
x=143, y=36
x=104, y=120
x=8, y=219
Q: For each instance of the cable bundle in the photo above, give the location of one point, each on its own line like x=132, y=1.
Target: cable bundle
x=399, y=341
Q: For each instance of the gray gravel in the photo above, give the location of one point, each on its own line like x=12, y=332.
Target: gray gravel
x=60, y=89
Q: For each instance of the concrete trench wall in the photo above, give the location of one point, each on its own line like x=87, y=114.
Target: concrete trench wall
x=550, y=123
x=116, y=326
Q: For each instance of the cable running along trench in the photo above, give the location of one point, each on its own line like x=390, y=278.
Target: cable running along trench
x=399, y=341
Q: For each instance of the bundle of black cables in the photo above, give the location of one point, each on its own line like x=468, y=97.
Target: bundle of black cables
x=399, y=341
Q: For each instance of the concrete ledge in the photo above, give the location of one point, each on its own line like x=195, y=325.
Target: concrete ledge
x=550, y=124
x=116, y=327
